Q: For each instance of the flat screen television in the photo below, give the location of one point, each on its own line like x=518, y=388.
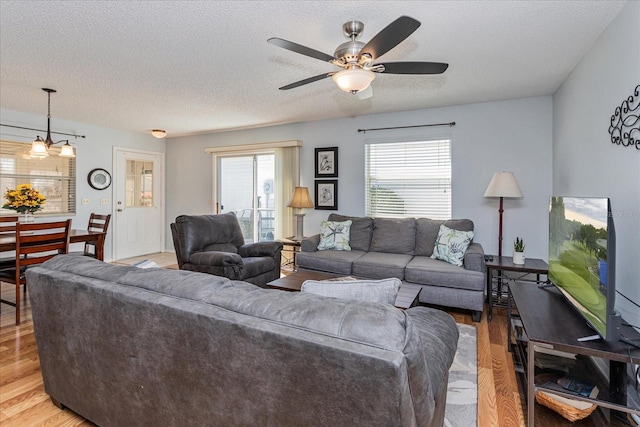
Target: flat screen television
x=582, y=246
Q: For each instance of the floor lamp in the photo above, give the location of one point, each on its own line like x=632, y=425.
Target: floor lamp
x=300, y=200
x=503, y=184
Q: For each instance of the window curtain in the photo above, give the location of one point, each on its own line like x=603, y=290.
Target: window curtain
x=286, y=180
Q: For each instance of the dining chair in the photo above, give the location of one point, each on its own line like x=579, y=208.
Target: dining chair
x=97, y=222
x=35, y=244
x=8, y=225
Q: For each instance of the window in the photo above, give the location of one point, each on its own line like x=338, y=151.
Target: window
x=408, y=179
x=53, y=176
x=139, y=184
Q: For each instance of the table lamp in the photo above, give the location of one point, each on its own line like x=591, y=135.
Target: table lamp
x=300, y=200
x=503, y=184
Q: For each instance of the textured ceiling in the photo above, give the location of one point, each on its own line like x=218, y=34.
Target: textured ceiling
x=198, y=66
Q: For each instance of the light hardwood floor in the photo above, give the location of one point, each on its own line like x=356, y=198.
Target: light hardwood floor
x=23, y=401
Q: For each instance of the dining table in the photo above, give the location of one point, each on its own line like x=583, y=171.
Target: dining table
x=8, y=240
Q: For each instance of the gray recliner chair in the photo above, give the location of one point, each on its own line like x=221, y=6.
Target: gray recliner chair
x=214, y=244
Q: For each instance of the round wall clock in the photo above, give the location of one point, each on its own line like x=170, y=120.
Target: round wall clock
x=99, y=179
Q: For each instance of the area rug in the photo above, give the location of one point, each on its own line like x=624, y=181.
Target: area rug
x=462, y=392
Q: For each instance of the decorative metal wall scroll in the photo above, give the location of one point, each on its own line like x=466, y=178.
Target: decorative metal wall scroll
x=625, y=123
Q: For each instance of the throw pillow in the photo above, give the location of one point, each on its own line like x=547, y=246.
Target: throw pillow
x=451, y=245
x=384, y=291
x=334, y=235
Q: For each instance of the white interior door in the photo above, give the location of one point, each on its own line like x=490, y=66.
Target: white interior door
x=139, y=218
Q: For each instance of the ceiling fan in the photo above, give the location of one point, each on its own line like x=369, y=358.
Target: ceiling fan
x=357, y=58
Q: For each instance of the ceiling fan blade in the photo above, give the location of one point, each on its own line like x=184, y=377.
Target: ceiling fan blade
x=306, y=81
x=414, y=67
x=390, y=36
x=298, y=48
x=365, y=94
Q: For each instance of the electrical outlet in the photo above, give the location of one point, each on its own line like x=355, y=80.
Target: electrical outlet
x=85, y=202
x=105, y=201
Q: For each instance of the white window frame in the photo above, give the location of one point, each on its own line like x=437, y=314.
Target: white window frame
x=415, y=174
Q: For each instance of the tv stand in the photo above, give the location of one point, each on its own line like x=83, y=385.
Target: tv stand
x=542, y=319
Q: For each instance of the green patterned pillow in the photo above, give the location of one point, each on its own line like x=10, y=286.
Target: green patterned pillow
x=334, y=235
x=451, y=245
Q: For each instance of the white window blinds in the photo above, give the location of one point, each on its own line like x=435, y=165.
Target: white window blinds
x=53, y=176
x=408, y=179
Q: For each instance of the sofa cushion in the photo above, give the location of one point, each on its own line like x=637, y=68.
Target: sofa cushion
x=380, y=265
x=394, y=235
x=382, y=291
x=429, y=271
x=338, y=262
x=451, y=245
x=427, y=232
x=334, y=235
x=360, y=233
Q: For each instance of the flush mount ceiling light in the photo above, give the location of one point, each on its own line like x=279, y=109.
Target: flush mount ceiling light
x=40, y=147
x=159, y=133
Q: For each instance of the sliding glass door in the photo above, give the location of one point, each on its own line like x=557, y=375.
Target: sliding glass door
x=245, y=186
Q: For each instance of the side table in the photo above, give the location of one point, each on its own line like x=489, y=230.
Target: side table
x=500, y=264
x=290, y=248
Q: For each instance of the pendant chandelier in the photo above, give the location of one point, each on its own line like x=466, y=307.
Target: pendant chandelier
x=40, y=147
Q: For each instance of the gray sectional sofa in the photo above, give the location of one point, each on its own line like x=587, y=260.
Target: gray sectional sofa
x=402, y=248
x=123, y=346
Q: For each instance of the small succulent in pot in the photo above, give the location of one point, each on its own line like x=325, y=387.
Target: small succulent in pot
x=518, y=251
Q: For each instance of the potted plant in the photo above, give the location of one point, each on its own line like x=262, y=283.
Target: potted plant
x=518, y=251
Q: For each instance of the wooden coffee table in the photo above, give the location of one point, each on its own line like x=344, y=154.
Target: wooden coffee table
x=407, y=295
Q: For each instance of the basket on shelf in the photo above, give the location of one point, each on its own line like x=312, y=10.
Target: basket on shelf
x=571, y=409
x=564, y=408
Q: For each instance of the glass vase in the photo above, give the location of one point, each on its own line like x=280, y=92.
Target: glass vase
x=26, y=217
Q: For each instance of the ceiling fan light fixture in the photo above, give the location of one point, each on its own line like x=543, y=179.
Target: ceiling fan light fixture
x=159, y=133
x=353, y=80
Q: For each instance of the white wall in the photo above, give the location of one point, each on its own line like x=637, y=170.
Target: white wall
x=586, y=163
x=513, y=135
x=95, y=151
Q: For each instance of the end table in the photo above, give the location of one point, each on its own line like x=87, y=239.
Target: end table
x=500, y=264
x=290, y=248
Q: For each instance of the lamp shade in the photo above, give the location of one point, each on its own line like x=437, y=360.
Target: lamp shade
x=503, y=184
x=353, y=79
x=301, y=198
x=39, y=149
x=66, y=150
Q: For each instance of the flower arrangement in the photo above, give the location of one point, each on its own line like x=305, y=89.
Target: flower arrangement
x=24, y=199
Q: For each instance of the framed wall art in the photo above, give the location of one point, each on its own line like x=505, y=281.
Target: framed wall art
x=327, y=162
x=327, y=194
